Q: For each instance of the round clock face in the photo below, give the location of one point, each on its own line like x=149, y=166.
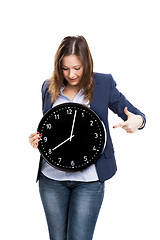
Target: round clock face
x=73, y=137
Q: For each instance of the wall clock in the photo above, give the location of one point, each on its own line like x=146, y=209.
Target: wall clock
x=73, y=137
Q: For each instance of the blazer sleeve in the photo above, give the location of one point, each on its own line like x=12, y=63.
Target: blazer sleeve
x=117, y=103
x=43, y=91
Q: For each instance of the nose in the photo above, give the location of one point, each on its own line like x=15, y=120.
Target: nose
x=71, y=73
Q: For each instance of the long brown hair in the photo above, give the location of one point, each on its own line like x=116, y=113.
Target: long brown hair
x=78, y=46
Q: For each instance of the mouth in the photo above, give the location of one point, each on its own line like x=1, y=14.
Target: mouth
x=74, y=79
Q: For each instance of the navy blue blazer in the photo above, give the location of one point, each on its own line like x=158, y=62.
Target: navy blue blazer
x=105, y=96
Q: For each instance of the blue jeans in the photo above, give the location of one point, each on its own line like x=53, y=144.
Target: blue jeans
x=71, y=207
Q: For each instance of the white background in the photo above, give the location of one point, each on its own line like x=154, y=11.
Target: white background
x=124, y=40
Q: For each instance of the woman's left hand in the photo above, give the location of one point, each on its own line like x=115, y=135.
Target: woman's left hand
x=132, y=124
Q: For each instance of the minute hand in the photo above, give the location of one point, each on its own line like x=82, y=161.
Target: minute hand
x=63, y=142
x=74, y=118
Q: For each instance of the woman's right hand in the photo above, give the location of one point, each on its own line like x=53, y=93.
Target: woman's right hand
x=34, y=138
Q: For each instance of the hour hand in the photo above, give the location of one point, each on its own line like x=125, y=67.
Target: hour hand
x=68, y=139
x=74, y=118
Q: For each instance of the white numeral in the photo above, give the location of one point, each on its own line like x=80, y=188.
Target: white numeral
x=45, y=139
x=56, y=116
x=49, y=151
x=96, y=135
x=94, y=148
x=49, y=126
x=69, y=111
x=85, y=158
x=91, y=123
x=72, y=163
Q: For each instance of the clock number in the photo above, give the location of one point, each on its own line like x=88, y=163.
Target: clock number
x=82, y=114
x=94, y=148
x=69, y=111
x=91, y=123
x=96, y=135
x=72, y=163
x=45, y=139
x=85, y=158
x=50, y=151
x=59, y=160
x=49, y=126
x=56, y=116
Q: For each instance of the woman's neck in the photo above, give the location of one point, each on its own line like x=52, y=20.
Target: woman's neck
x=71, y=91
x=74, y=89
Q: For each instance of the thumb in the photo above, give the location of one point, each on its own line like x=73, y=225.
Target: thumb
x=127, y=112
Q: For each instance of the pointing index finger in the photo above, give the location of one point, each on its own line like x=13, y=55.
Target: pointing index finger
x=119, y=125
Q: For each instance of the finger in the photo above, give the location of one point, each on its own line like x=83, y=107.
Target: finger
x=32, y=135
x=34, y=138
x=118, y=125
x=125, y=127
x=128, y=130
x=127, y=112
x=34, y=144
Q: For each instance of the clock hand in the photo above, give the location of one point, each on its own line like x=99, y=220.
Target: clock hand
x=74, y=118
x=63, y=142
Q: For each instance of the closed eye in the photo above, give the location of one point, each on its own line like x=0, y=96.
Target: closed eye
x=76, y=68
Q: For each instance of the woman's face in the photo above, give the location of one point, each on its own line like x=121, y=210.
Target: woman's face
x=72, y=69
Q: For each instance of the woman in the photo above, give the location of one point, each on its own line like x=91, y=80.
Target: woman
x=72, y=201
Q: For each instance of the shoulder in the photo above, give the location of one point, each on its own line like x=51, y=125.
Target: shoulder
x=45, y=85
x=103, y=79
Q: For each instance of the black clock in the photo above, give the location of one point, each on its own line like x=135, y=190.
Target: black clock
x=73, y=137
